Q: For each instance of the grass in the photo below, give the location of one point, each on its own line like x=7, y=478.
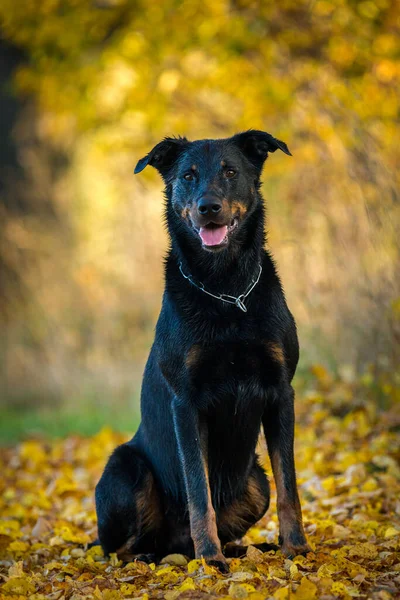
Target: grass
x=44, y=416
x=87, y=419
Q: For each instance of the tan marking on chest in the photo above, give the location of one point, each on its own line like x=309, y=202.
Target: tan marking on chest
x=193, y=356
x=276, y=352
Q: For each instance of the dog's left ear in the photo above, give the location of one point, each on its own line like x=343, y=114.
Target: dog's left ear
x=257, y=144
x=163, y=156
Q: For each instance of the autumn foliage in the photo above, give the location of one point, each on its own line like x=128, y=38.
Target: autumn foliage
x=347, y=461
x=87, y=87
x=99, y=83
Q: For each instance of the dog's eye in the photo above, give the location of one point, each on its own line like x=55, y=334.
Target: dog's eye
x=229, y=173
x=188, y=176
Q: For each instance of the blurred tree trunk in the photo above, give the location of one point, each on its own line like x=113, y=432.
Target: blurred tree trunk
x=31, y=227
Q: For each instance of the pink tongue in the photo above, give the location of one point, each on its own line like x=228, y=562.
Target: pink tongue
x=214, y=236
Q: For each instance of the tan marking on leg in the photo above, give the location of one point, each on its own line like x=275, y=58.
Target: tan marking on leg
x=203, y=529
x=254, y=494
x=244, y=513
x=148, y=505
x=289, y=512
x=232, y=519
x=193, y=356
x=124, y=553
x=148, y=515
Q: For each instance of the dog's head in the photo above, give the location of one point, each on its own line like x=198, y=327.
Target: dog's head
x=212, y=185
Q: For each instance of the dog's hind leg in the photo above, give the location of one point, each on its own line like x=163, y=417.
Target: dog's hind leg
x=128, y=507
x=235, y=519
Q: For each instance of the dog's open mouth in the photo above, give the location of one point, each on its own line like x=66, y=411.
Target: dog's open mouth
x=216, y=235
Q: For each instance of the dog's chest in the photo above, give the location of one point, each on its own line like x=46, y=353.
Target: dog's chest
x=248, y=367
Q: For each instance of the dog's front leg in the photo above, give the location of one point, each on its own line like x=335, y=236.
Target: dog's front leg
x=278, y=422
x=203, y=527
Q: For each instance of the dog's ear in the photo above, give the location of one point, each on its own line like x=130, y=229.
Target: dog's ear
x=163, y=156
x=257, y=144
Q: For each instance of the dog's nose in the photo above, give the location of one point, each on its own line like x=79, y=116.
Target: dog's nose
x=209, y=206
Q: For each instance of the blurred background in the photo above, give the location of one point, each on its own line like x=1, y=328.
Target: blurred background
x=88, y=87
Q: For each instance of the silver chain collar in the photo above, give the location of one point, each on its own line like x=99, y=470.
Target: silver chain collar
x=236, y=300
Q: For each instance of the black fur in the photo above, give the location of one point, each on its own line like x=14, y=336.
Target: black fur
x=215, y=374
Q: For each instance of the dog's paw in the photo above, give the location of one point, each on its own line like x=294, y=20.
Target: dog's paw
x=218, y=562
x=128, y=557
x=291, y=550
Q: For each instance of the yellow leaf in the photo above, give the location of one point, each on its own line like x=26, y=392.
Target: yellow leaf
x=174, y=559
x=391, y=532
x=326, y=570
x=18, y=585
x=163, y=570
x=194, y=565
x=209, y=569
x=172, y=595
x=127, y=589
x=168, y=574
x=95, y=551
x=254, y=554
x=113, y=559
x=365, y=550
x=241, y=576
x=18, y=547
x=340, y=589
x=69, y=535
x=16, y=570
x=329, y=484
x=307, y=590
x=293, y=571
x=370, y=485
x=188, y=584
x=277, y=572
x=240, y=590
x=282, y=593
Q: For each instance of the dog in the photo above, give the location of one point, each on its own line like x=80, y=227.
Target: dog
x=220, y=368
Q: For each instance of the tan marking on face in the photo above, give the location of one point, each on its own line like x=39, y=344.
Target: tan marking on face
x=239, y=208
x=276, y=351
x=193, y=356
x=185, y=213
x=223, y=163
x=194, y=167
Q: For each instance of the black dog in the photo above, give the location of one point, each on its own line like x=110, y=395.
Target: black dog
x=221, y=365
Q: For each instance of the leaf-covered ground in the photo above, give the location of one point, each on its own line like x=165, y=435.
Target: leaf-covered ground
x=347, y=461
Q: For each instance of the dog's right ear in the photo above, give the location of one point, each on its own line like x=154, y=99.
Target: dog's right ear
x=164, y=155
